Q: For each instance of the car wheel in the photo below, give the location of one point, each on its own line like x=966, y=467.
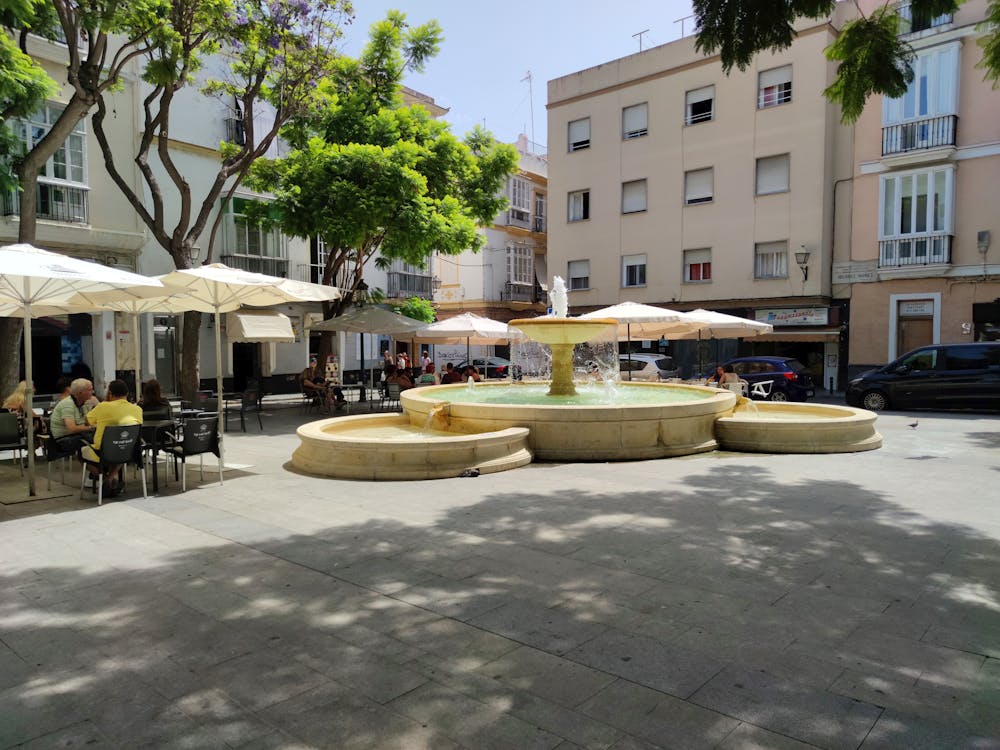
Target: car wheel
x=874, y=401
x=778, y=396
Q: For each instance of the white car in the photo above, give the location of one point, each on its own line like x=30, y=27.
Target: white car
x=647, y=367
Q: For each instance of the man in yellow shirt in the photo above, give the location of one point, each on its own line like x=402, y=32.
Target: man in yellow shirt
x=115, y=410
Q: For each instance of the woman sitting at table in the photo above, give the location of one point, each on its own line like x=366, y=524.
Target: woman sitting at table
x=17, y=402
x=315, y=385
x=154, y=405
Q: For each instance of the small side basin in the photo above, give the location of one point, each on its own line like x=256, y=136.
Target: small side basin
x=768, y=427
x=388, y=447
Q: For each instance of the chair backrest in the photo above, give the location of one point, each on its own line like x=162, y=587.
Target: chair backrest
x=762, y=388
x=251, y=399
x=10, y=431
x=200, y=435
x=118, y=443
x=208, y=404
x=394, y=391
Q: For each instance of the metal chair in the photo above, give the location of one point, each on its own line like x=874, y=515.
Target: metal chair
x=391, y=396
x=55, y=451
x=250, y=403
x=11, y=438
x=120, y=445
x=739, y=388
x=201, y=436
x=762, y=389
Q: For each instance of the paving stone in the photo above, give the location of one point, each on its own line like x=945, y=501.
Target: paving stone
x=544, y=628
x=648, y=662
x=788, y=708
x=900, y=730
x=749, y=737
x=558, y=680
x=463, y=646
x=82, y=734
x=260, y=679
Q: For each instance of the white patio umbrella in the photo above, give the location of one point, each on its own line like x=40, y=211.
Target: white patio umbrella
x=645, y=321
x=716, y=325
x=217, y=288
x=32, y=276
x=370, y=319
x=474, y=329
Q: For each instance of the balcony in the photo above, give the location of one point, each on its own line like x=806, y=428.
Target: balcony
x=538, y=224
x=921, y=135
x=403, y=285
x=518, y=293
x=914, y=250
x=54, y=202
x=911, y=23
x=257, y=264
x=518, y=218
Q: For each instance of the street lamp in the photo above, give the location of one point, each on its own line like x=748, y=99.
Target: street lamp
x=802, y=258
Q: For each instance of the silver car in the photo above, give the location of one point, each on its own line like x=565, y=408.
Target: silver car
x=647, y=367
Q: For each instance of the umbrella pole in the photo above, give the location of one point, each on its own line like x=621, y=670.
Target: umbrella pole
x=701, y=365
x=29, y=393
x=135, y=341
x=218, y=393
x=362, y=396
x=628, y=343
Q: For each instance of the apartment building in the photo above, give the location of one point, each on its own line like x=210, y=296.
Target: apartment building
x=507, y=278
x=924, y=264
x=676, y=185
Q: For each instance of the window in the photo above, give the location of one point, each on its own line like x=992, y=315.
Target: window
x=933, y=90
x=579, y=205
x=248, y=244
x=774, y=87
x=770, y=260
x=520, y=265
x=634, y=270
x=698, y=265
x=633, y=196
x=539, y=225
x=579, y=134
x=772, y=174
x=917, y=203
x=520, y=199
x=578, y=272
x=699, y=105
x=698, y=186
x=68, y=163
x=635, y=121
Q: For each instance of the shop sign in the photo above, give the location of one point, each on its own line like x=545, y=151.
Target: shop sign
x=794, y=316
x=916, y=308
x=855, y=272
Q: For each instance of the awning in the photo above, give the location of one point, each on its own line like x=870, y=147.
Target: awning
x=542, y=272
x=831, y=335
x=264, y=326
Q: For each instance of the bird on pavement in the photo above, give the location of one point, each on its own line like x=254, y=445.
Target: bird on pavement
x=914, y=423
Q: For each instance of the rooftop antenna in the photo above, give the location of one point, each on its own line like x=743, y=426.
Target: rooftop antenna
x=531, y=105
x=639, y=37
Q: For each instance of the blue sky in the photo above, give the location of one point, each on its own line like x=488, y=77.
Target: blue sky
x=490, y=46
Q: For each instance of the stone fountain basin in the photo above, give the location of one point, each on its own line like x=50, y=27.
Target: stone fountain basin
x=613, y=432
x=768, y=427
x=389, y=447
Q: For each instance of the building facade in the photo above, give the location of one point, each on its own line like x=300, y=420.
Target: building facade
x=925, y=239
x=673, y=184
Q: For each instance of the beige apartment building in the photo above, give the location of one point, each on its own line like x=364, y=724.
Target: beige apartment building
x=673, y=184
x=925, y=247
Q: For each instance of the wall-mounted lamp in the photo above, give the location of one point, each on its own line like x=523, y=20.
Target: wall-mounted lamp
x=802, y=258
x=983, y=241
x=435, y=283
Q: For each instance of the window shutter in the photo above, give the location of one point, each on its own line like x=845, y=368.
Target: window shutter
x=700, y=95
x=579, y=134
x=635, y=121
x=633, y=196
x=698, y=186
x=772, y=174
x=776, y=76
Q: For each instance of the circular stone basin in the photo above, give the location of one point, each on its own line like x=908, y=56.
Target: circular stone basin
x=389, y=447
x=650, y=420
x=767, y=427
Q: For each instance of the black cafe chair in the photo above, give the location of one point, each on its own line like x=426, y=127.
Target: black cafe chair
x=120, y=445
x=200, y=436
x=11, y=438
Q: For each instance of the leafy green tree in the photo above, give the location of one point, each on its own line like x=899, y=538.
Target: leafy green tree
x=378, y=180
x=871, y=57
x=107, y=35
x=417, y=308
x=274, y=56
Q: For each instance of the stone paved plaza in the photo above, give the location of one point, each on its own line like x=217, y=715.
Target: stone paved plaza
x=715, y=601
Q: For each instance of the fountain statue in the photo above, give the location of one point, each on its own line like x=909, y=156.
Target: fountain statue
x=446, y=430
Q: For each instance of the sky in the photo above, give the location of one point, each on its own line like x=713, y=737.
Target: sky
x=489, y=47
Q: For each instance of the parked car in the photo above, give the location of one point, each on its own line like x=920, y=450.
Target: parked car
x=944, y=376
x=489, y=367
x=647, y=367
x=773, y=378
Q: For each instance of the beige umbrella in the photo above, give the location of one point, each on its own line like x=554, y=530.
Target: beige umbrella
x=472, y=328
x=716, y=325
x=31, y=276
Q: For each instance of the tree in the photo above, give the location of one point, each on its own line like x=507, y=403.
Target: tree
x=108, y=34
x=274, y=54
x=872, y=58
x=417, y=308
x=378, y=180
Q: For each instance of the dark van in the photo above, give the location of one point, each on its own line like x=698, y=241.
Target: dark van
x=944, y=376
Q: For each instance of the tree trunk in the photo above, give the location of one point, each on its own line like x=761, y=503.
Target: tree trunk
x=190, y=355
x=10, y=345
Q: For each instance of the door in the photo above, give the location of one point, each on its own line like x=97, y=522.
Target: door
x=967, y=381
x=165, y=345
x=919, y=384
x=246, y=364
x=914, y=333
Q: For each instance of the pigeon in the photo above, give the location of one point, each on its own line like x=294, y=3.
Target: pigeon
x=470, y=473
x=914, y=423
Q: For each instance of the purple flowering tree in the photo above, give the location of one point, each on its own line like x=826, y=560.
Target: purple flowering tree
x=272, y=54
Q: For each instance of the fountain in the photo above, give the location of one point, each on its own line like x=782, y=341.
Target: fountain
x=449, y=429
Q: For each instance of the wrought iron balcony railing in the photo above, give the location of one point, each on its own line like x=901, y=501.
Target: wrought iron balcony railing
x=402, y=285
x=257, y=264
x=912, y=22
x=518, y=293
x=914, y=250
x=55, y=202
x=931, y=132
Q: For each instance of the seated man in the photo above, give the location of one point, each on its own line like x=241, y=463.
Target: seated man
x=449, y=375
x=68, y=421
x=115, y=410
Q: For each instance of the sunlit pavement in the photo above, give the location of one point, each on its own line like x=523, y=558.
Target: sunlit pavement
x=721, y=600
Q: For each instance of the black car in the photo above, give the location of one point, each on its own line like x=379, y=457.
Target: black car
x=489, y=367
x=944, y=376
x=773, y=378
